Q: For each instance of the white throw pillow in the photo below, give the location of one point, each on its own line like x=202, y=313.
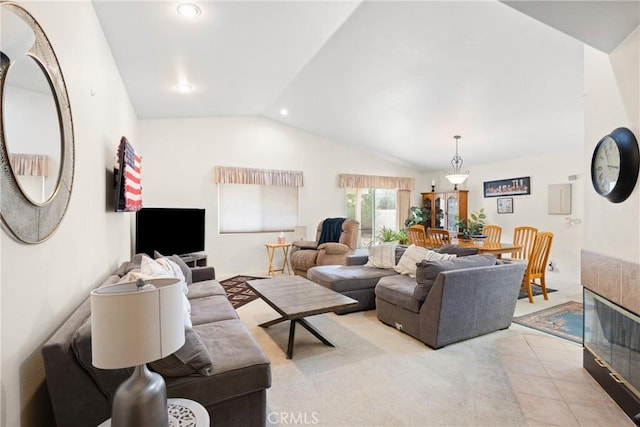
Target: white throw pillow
x=414, y=254
x=174, y=271
x=154, y=269
x=382, y=256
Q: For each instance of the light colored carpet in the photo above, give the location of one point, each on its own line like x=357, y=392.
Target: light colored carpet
x=378, y=376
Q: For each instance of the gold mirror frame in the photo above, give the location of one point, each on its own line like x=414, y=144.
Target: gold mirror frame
x=27, y=221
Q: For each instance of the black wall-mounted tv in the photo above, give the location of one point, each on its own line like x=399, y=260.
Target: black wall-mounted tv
x=169, y=231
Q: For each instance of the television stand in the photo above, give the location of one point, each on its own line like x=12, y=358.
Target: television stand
x=195, y=260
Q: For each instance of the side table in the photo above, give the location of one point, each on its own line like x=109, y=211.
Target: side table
x=182, y=413
x=198, y=259
x=271, y=247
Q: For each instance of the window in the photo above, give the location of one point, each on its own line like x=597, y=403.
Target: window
x=252, y=208
x=373, y=209
x=375, y=201
x=257, y=200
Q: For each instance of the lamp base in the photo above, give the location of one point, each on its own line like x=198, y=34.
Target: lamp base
x=141, y=401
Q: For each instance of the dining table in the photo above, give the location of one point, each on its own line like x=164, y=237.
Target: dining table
x=493, y=248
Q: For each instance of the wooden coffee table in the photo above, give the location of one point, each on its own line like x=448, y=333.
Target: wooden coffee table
x=295, y=298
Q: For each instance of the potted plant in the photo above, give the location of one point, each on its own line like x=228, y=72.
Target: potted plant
x=402, y=236
x=390, y=235
x=418, y=215
x=472, y=227
x=387, y=234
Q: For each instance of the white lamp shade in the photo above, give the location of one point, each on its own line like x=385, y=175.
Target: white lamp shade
x=457, y=178
x=130, y=327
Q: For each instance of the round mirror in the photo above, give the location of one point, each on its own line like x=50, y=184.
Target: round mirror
x=36, y=135
x=34, y=151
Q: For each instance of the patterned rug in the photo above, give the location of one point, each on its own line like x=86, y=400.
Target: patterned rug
x=237, y=290
x=564, y=321
x=535, y=290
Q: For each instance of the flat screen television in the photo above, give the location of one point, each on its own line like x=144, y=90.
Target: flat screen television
x=169, y=231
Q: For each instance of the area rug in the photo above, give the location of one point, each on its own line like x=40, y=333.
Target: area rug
x=564, y=321
x=535, y=290
x=237, y=290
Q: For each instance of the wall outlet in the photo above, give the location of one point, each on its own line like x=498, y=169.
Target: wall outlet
x=552, y=266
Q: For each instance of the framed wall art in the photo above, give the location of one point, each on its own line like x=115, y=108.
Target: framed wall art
x=507, y=187
x=505, y=205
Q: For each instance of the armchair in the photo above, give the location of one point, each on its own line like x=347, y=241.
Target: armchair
x=306, y=254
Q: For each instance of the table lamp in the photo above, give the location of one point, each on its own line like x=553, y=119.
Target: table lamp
x=132, y=324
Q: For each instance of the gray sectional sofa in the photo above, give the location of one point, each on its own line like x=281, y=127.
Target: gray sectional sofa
x=461, y=304
x=447, y=301
x=233, y=390
x=354, y=279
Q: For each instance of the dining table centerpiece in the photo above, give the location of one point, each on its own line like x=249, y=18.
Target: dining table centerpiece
x=471, y=228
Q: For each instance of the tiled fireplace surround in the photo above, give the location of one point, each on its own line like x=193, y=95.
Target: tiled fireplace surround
x=612, y=278
x=619, y=282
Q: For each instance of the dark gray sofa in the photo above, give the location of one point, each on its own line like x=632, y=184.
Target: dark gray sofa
x=234, y=395
x=354, y=279
x=461, y=304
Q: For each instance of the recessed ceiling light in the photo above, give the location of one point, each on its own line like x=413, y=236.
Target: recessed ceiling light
x=189, y=10
x=284, y=112
x=184, y=88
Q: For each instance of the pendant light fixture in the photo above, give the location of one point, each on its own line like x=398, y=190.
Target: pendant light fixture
x=456, y=175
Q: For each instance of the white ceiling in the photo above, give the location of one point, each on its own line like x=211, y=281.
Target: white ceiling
x=394, y=78
x=600, y=24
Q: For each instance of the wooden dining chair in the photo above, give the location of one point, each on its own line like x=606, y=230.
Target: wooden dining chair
x=437, y=237
x=493, y=233
x=524, y=237
x=416, y=235
x=537, y=264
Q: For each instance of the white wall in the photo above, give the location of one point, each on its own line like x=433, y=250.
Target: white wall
x=42, y=284
x=612, y=100
x=179, y=157
x=550, y=168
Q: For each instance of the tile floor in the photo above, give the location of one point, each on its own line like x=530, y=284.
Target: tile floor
x=547, y=376
x=546, y=373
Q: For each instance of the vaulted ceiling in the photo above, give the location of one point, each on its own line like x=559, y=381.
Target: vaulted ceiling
x=394, y=78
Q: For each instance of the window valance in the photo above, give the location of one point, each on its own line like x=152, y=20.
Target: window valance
x=373, y=181
x=231, y=175
x=29, y=164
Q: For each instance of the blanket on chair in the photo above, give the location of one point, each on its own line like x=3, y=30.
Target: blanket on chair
x=331, y=230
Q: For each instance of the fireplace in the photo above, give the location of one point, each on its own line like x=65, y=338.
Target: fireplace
x=612, y=351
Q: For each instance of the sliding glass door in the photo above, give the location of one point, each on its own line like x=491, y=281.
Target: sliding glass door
x=373, y=209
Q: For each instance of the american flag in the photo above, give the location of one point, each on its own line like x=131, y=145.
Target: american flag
x=129, y=186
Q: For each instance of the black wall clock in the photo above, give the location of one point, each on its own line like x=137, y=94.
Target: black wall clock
x=614, y=165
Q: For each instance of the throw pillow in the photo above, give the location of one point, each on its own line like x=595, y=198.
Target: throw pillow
x=173, y=270
x=107, y=380
x=382, y=256
x=458, y=250
x=400, y=250
x=413, y=255
x=153, y=269
x=133, y=265
x=427, y=271
x=186, y=270
x=191, y=359
x=163, y=267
